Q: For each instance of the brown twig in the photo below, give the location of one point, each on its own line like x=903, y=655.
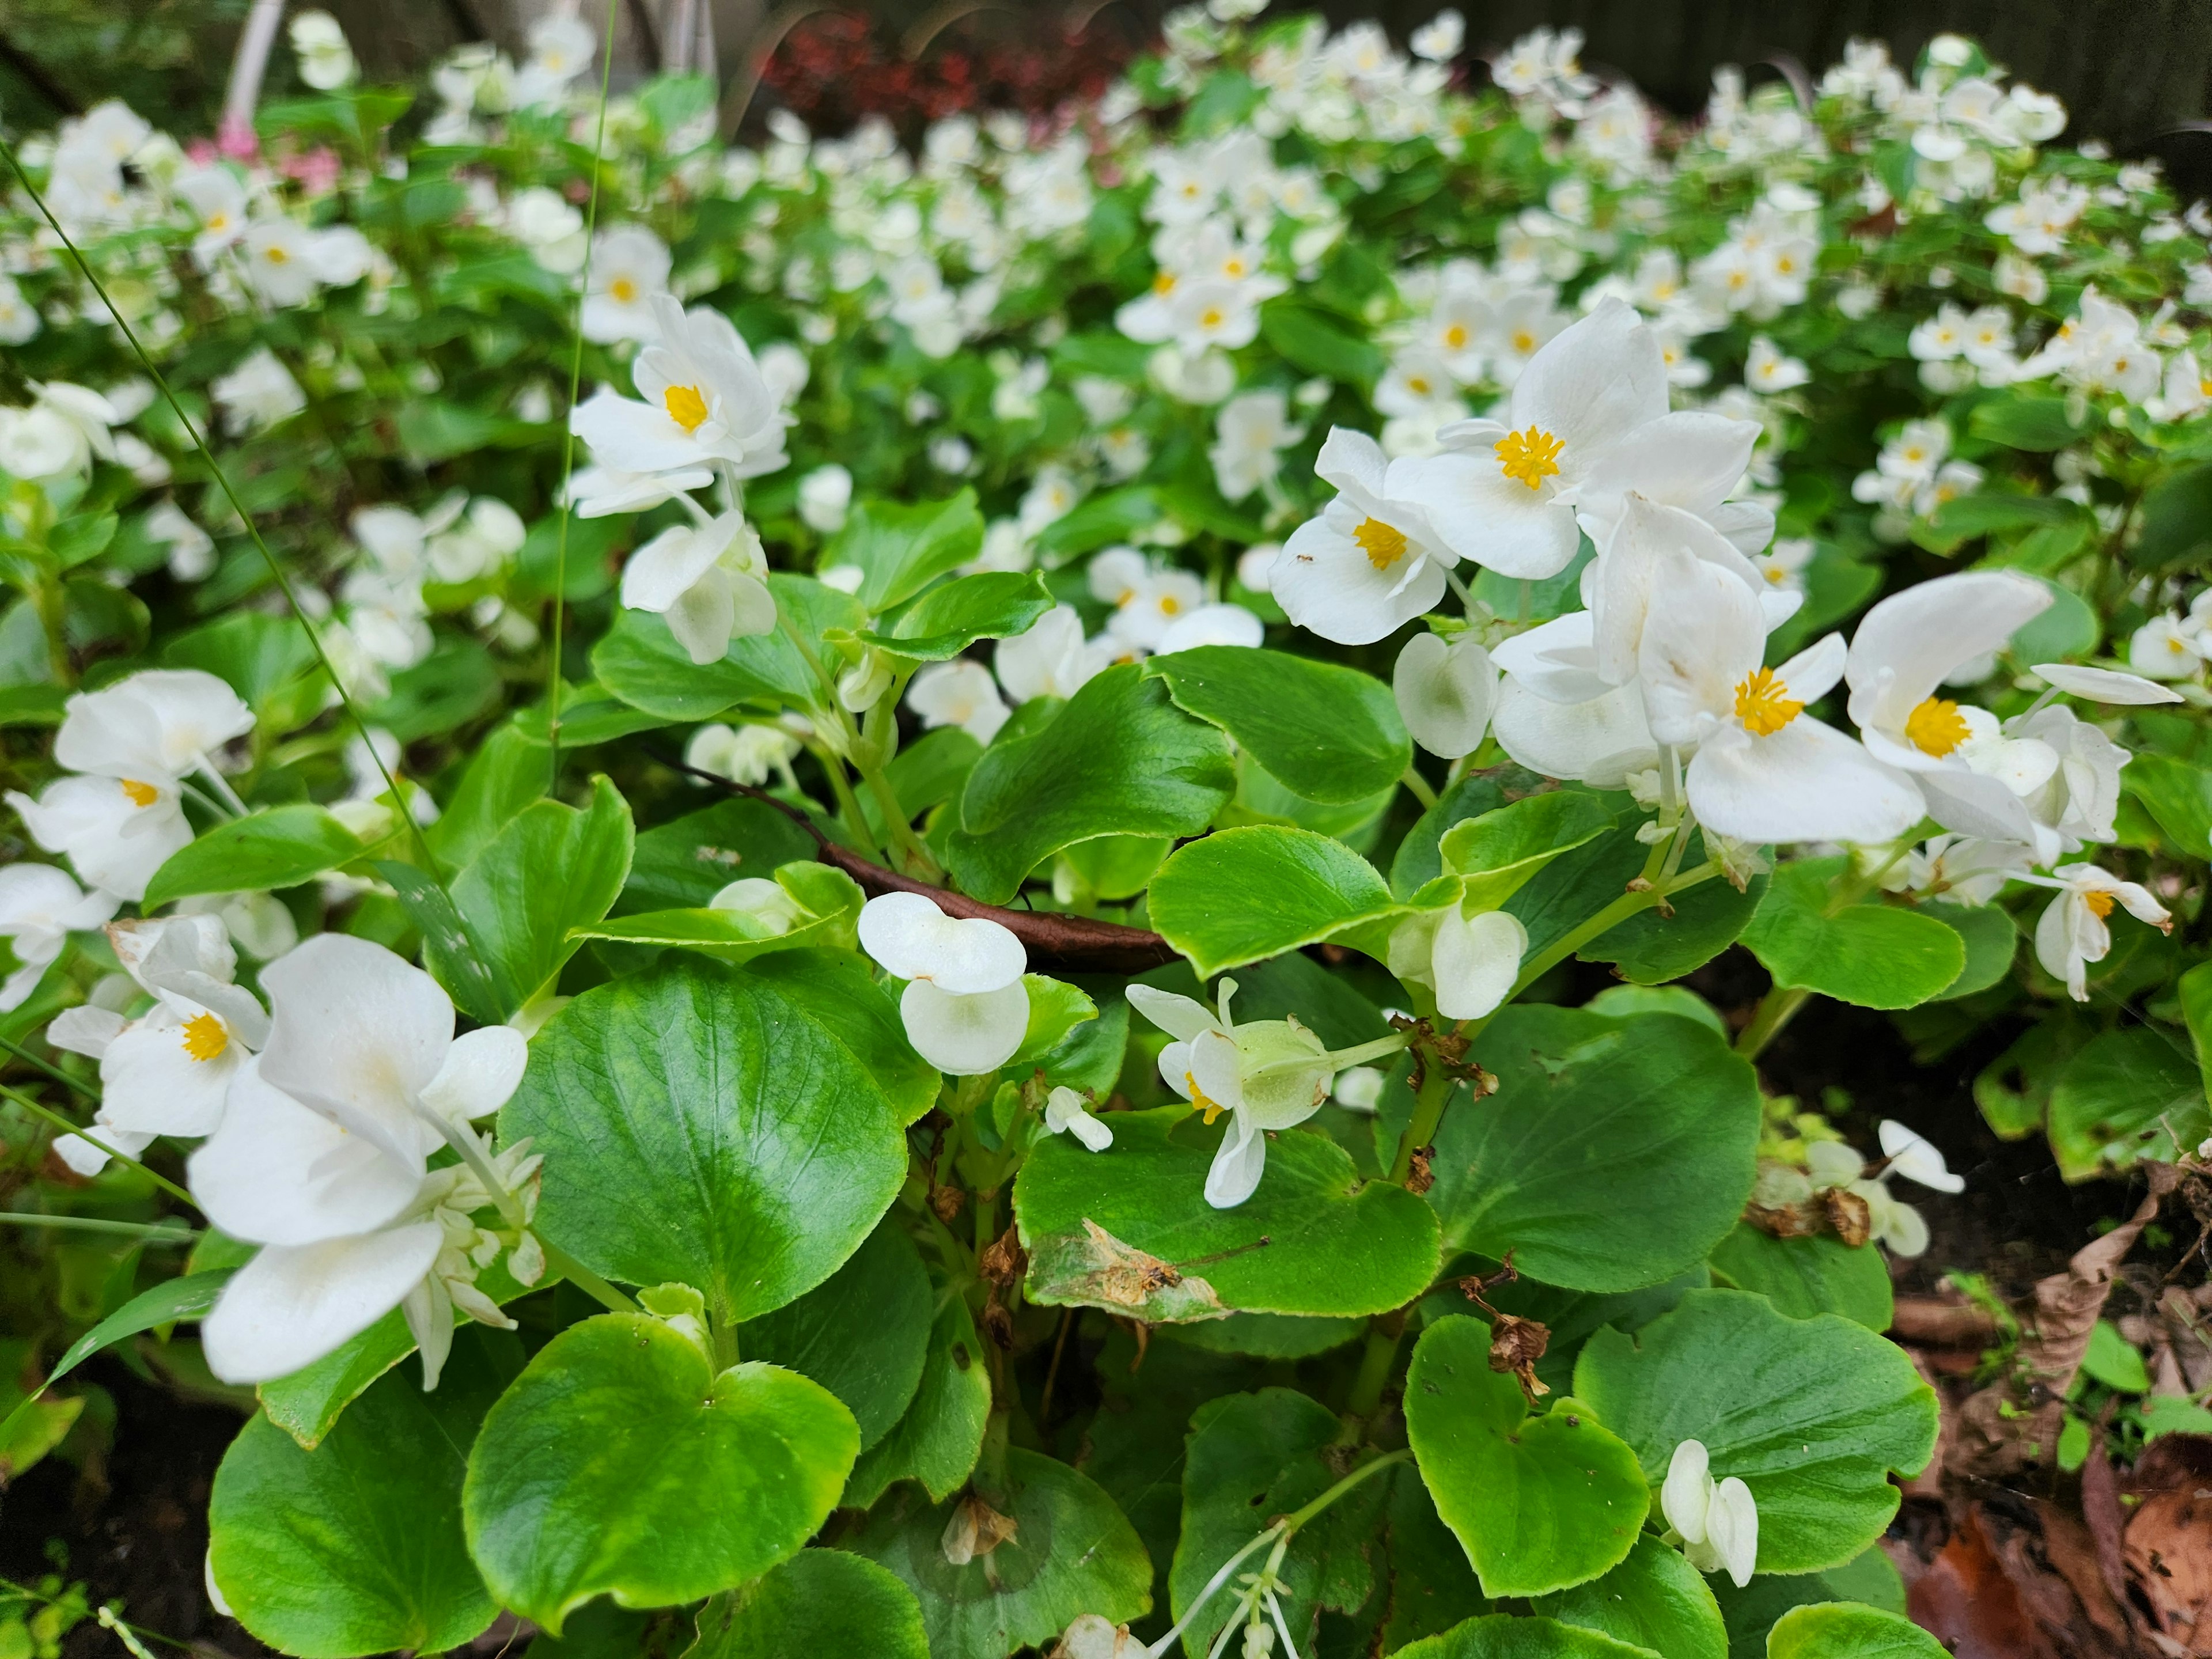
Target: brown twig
x=1064, y=943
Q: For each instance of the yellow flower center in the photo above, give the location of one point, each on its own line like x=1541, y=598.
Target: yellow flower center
x=1764, y=704
x=1456, y=336
x=1164, y=283
x=1233, y=267
x=141, y=795
x=218, y=221
x=1936, y=727
x=276, y=255
x=685, y=406
x=1383, y=544
x=1523, y=341
x=2098, y=901
x=1210, y=318
x=1213, y=1110
x=623, y=290
x=1531, y=456
x=205, y=1037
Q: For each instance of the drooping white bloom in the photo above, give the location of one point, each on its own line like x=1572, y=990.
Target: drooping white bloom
x=168, y=1071
x=1718, y=1520
x=2072, y=931
x=1251, y=430
x=630, y=271
x=1445, y=690
x=1974, y=778
x=257, y=394
x=1268, y=1075
x=965, y=1007
x=709, y=582
x=1471, y=963
x=325, y=60
x=961, y=693
x=1049, y=658
x=743, y=753
x=1372, y=560
x=1066, y=1112
x=40, y=908
x=1915, y=1157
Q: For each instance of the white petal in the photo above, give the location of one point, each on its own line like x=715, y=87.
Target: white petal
x=292, y=1304
x=2105, y=684
x=1235, y=1173
x=1483, y=515
x=912, y=939
x=1805, y=782
x=150, y=1081
x=1557, y=659
x=1571, y=740
x=1689, y=459
x=89, y=1160
x=1732, y=1526
x=1327, y=585
x=1594, y=382
x=481, y=1070
x=1178, y=1016
x=1909, y=642
x=1968, y=802
x=87, y=1030
x=704, y=617
x=1445, y=692
x=1688, y=1493
x=669, y=565
x=1215, y=1072
x=276, y=1173
x=965, y=1036
x=1813, y=672
x=1906, y=1233
x=1915, y=1158
x=1351, y=460
x=1476, y=961
x=1703, y=635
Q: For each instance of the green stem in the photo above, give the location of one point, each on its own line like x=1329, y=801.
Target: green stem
x=1612, y=915
x=90, y=1138
x=51, y=1070
x=1420, y=785
x=919, y=863
x=1376, y=1363
x=151, y=1231
x=1389, y=1460
x=560, y=1261
x=1428, y=1111
x=1776, y=1009
x=848, y=805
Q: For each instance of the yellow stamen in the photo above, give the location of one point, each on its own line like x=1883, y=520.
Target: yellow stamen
x=1936, y=727
x=685, y=406
x=1383, y=544
x=141, y=795
x=1764, y=704
x=1164, y=283
x=622, y=289
x=276, y=255
x=1456, y=336
x=1523, y=341
x=1531, y=456
x=2099, y=903
x=1211, y=1110
x=1170, y=606
x=205, y=1037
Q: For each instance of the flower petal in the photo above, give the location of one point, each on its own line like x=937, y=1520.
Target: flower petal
x=274, y=1172
x=292, y=1304
x=965, y=1036
x=1805, y=782
x=1481, y=514
x=1235, y=1173
x=1574, y=741
x=1180, y=1016
x=1593, y=383
x=1476, y=961
x=912, y=939
x=481, y=1070
x=1906, y=644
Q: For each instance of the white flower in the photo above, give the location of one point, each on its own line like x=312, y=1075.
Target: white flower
x=1766, y=370
x=743, y=753
x=1251, y=430
x=550, y=227
x=1972, y=777
x=630, y=271
x=965, y=1007
x=709, y=582
x=2072, y=932
x=216, y=196
x=1446, y=691
x=326, y=61
x=1471, y=963
x=562, y=46
x=1372, y=560
x=257, y=394
x=705, y=401
x=824, y=495
x=959, y=692
x=167, y=1071
x=1439, y=39
x=1049, y=658
x=19, y=318
x=1210, y=624
x=1915, y=1157
x=41, y=442
x=40, y=908
x=597, y=492
x=1064, y=1113
x=192, y=550
x=1718, y=1522
x=2166, y=649
x=2104, y=685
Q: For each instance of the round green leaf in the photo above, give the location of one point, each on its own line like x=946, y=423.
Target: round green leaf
x=1877, y=955
x=937, y=1438
x=2129, y=1094
x=1654, y=1600
x=1335, y=1244
x=1615, y=1152
x=281, y=846
x=1120, y=759
x=1540, y=1503
x=821, y=1604
x=355, y=1547
x=700, y=1126
x=1819, y=1273
x=1502, y=1635
x=862, y=1333
x=1329, y=732
x=1811, y=1415
x=1844, y=1630
x=620, y=1464
x=1242, y=896
x=1991, y=936
x=946, y=621
x=640, y=661
x=1071, y=1553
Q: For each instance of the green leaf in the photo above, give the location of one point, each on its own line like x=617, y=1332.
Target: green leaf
x=449, y=950
x=1815, y=1275
x=900, y=551
x=1811, y=1415
x=2114, y=1361
x=355, y=1547
x=1251, y=1457
x=619, y=1463
x=278, y=847
x=1313, y=340
x=552, y=871
x=1877, y=955
x=2177, y=520
x=640, y=661
x=862, y=1334
x=1751, y=1612
x=1116, y=516
x=509, y=772
x=1329, y=733
x=830, y=900
x=750, y=1159
x=433, y=430
x=1503, y=1636
x=838, y=991
x=457, y=683
x=171, y=1299
x=1540, y=1503
x=682, y=865
x=1500, y=851
x=937, y=1438
x=1654, y=1600
x=1240, y=896
x=2025, y=421
x=2179, y=795
x=1335, y=1245
x=1071, y=1553
x=1119, y=759
x=1844, y=1630
x=822, y=1603
x=946, y=621
x=1615, y=1153
x=255, y=655
x=1651, y=948
x=1992, y=939
x=1419, y=857
x=2127, y=1094
x=1056, y=1009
